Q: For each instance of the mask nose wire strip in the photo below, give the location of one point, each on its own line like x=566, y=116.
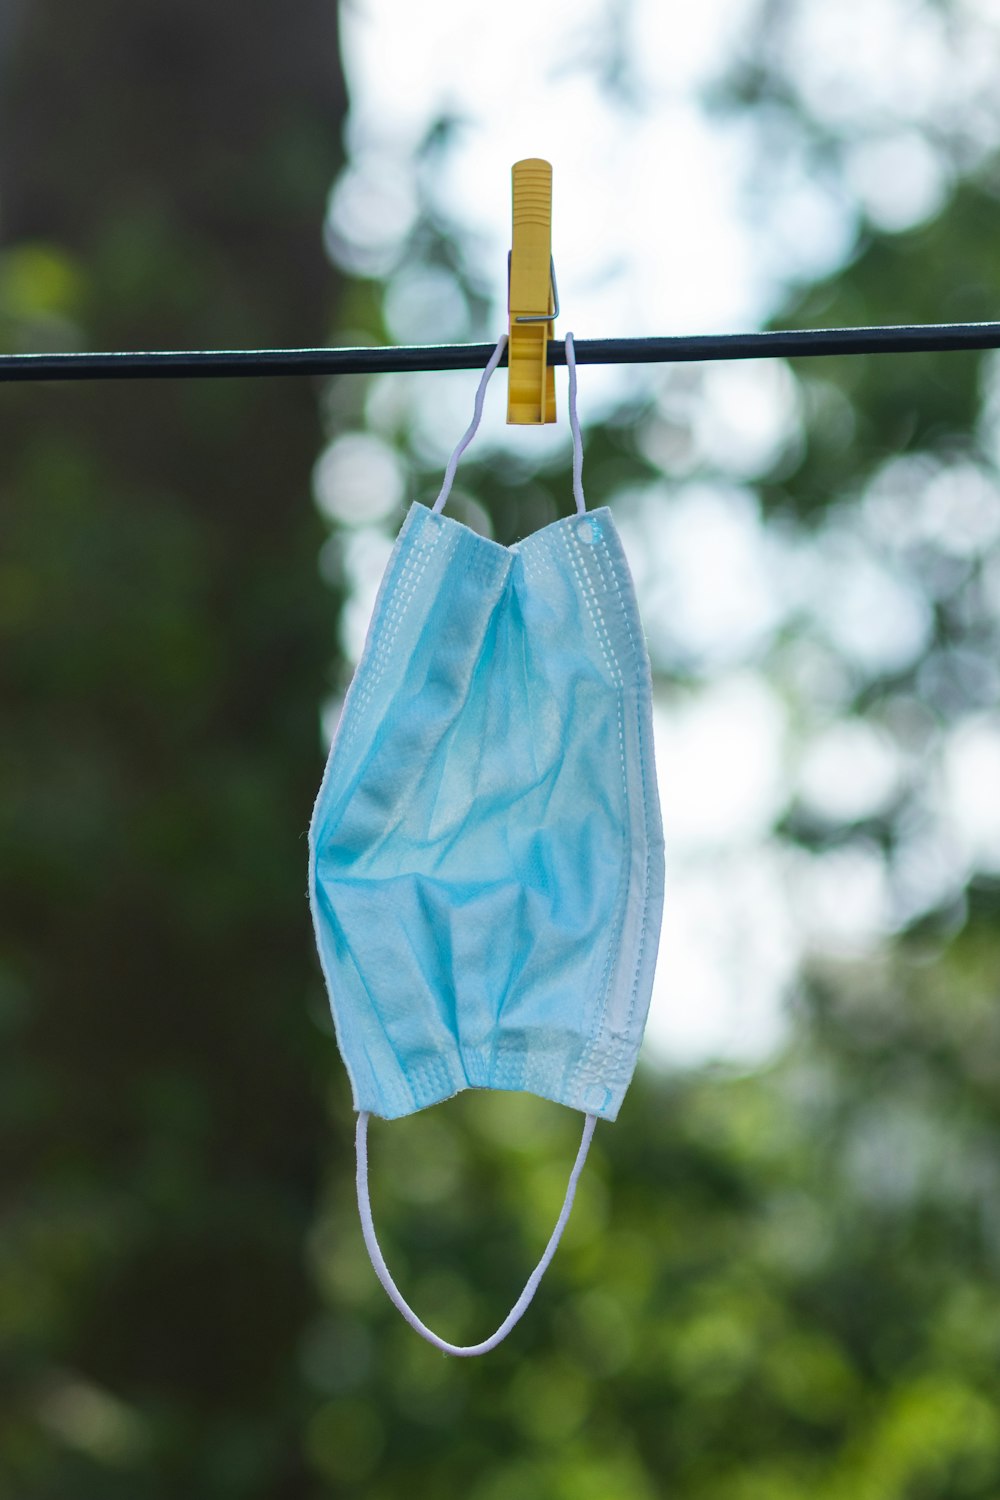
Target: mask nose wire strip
x=574, y=422
x=532, y=1284
x=477, y=416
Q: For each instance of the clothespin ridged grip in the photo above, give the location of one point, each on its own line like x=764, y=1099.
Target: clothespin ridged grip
x=531, y=392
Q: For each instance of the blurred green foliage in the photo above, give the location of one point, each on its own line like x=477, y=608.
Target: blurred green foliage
x=775, y=1283
x=165, y=646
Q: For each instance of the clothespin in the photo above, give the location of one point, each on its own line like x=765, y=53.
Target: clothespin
x=532, y=297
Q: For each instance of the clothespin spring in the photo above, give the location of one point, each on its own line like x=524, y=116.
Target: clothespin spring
x=548, y=317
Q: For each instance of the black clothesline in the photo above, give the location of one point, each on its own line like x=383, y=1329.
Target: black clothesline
x=202, y=364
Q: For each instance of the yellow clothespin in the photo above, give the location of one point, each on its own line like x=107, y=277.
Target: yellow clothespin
x=532, y=298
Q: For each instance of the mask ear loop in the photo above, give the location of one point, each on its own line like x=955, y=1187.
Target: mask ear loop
x=532, y=1284
x=473, y=427
x=477, y=416
x=574, y=422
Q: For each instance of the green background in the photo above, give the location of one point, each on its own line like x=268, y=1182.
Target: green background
x=776, y=1282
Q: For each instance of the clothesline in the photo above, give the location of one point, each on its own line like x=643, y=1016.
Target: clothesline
x=203, y=364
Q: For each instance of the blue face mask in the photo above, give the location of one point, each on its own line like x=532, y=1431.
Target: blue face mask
x=486, y=854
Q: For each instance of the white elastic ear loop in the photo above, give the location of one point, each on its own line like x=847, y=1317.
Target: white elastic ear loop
x=531, y=1286
x=477, y=416
x=473, y=428
x=574, y=423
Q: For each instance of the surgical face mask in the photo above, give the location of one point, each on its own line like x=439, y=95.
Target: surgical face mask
x=486, y=854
